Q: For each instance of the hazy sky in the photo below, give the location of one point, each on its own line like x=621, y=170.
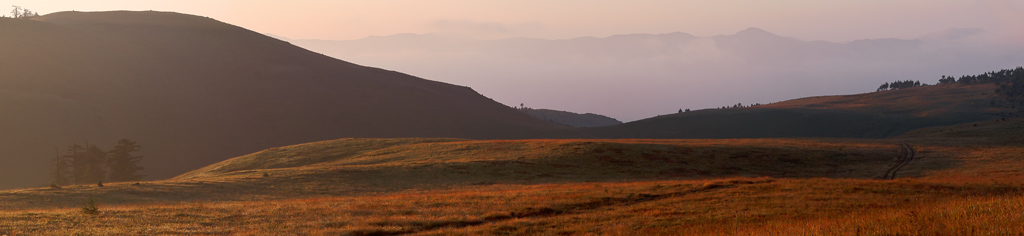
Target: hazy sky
x=831, y=20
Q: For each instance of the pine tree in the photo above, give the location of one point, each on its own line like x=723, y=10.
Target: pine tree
x=61, y=172
x=121, y=162
x=92, y=162
x=884, y=86
x=74, y=154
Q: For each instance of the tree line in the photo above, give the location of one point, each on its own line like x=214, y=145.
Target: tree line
x=999, y=77
x=22, y=13
x=739, y=105
x=89, y=164
x=897, y=85
x=1009, y=85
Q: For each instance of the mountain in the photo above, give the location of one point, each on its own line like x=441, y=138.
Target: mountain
x=571, y=118
x=193, y=91
x=868, y=115
x=665, y=72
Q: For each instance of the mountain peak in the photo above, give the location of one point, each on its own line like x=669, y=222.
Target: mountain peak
x=754, y=31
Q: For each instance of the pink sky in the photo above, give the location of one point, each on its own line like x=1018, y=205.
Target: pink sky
x=582, y=88
x=836, y=21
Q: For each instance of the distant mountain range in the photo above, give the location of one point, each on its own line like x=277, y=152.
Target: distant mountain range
x=667, y=72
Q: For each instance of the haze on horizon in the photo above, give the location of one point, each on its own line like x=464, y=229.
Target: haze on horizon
x=835, y=21
x=639, y=94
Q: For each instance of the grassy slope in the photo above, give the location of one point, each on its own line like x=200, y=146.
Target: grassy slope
x=565, y=160
x=571, y=118
x=371, y=166
x=960, y=183
x=869, y=115
x=917, y=101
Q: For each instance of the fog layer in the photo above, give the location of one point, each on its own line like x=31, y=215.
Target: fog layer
x=636, y=76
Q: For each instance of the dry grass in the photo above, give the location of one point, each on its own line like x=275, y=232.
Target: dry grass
x=757, y=206
x=559, y=187
x=372, y=166
x=572, y=159
x=918, y=101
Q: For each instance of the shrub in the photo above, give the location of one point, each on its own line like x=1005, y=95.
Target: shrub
x=90, y=207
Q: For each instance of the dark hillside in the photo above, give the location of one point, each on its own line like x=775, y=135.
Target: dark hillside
x=870, y=115
x=193, y=91
x=1006, y=132
x=571, y=118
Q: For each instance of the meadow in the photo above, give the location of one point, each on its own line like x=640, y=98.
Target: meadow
x=964, y=180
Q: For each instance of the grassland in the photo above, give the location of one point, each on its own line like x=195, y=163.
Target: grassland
x=874, y=115
x=965, y=180
x=757, y=206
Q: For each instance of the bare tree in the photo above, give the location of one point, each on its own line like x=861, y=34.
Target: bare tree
x=16, y=13
x=22, y=13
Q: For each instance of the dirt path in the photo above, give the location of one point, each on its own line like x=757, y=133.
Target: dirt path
x=561, y=209
x=906, y=155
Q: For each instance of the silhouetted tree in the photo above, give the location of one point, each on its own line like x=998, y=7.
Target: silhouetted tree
x=91, y=164
x=896, y=85
x=61, y=170
x=884, y=87
x=123, y=163
x=73, y=154
x=16, y=13
x=947, y=80
x=20, y=12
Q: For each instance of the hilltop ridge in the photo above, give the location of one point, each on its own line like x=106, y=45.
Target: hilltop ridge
x=869, y=115
x=570, y=118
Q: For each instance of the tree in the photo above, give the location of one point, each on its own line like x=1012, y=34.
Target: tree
x=61, y=172
x=123, y=163
x=680, y=110
x=947, y=80
x=884, y=87
x=73, y=154
x=16, y=13
x=91, y=164
x=21, y=13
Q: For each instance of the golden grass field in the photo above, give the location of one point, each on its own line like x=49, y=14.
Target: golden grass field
x=964, y=180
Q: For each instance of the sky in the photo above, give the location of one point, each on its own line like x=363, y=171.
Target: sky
x=660, y=88
x=831, y=20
